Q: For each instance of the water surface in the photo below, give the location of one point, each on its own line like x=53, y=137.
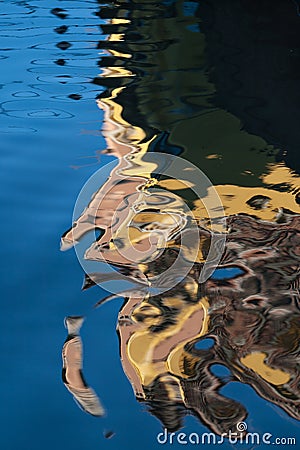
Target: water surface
x=191, y=79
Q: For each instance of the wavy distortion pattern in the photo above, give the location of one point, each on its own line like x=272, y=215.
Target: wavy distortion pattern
x=159, y=97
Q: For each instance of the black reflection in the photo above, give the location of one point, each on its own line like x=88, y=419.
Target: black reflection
x=60, y=62
x=75, y=96
x=59, y=12
x=61, y=30
x=253, y=48
x=63, y=45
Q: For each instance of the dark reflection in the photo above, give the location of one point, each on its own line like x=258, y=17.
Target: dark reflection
x=63, y=45
x=162, y=94
x=75, y=96
x=61, y=30
x=255, y=53
x=109, y=434
x=60, y=62
x=59, y=12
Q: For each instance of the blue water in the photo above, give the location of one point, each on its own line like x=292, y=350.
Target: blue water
x=225, y=273
x=49, y=145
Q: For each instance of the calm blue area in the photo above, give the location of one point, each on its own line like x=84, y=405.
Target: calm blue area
x=225, y=273
x=204, y=344
x=219, y=370
x=49, y=143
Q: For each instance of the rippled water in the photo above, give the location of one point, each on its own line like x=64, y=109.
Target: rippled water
x=189, y=79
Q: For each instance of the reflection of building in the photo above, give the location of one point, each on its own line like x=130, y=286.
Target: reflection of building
x=173, y=80
x=159, y=97
x=249, y=308
x=252, y=316
x=156, y=337
x=168, y=77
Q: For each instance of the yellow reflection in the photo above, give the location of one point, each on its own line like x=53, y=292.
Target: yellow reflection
x=237, y=200
x=119, y=21
x=175, y=185
x=280, y=173
x=256, y=362
x=119, y=54
x=176, y=357
x=116, y=37
x=114, y=71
